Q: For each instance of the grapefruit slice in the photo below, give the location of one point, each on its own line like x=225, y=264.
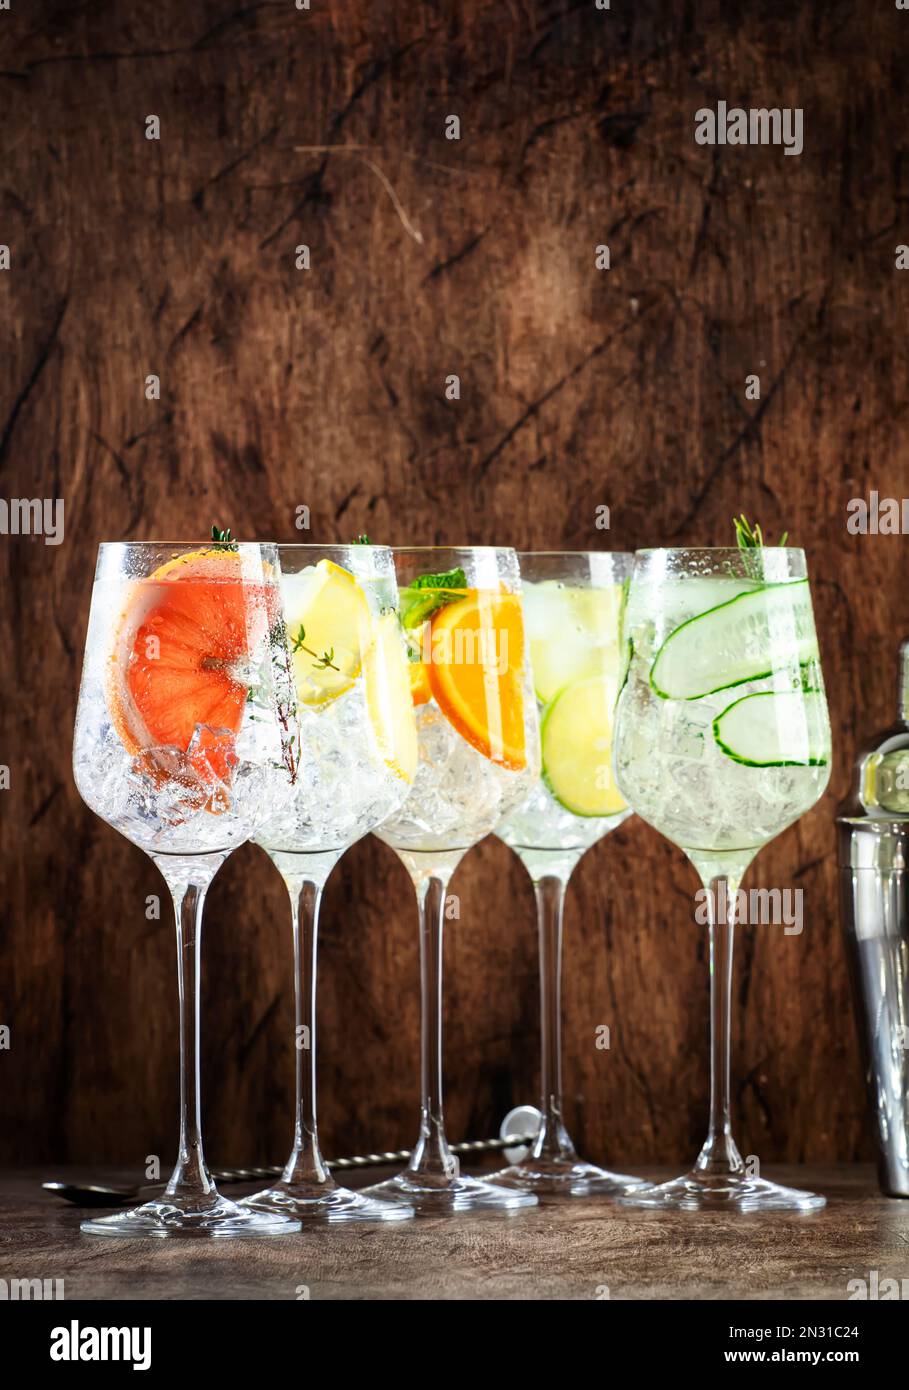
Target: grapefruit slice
x=476, y=673
x=184, y=634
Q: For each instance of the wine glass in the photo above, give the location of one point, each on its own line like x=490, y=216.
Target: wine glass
x=722, y=740
x=184, y=731
x=572, y=613
x=478, y=758
x=359, y=749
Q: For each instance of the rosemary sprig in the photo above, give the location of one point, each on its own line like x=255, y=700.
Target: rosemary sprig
x=362, y=540
x=750, y=541
x=751, y=537
x=222, y=539
x=320, y=663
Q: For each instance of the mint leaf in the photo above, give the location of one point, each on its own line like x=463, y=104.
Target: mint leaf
x=428, y=593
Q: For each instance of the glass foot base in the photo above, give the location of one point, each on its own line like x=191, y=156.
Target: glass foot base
x=171, y=1217
x=722, y=1192
x=554, y=1178
x=320, y=1203
x=449, y=1195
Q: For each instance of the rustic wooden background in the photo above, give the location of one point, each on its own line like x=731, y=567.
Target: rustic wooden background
x=282, y=387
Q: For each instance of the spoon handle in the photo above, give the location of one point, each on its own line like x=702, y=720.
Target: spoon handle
x=95, y=1196
x=72, y=1192
x=467, y=1146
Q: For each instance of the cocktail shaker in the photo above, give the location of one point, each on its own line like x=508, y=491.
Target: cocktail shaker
x=873, y=843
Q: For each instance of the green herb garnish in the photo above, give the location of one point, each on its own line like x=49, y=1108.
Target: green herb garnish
x=750, y=540
x=321, y=663
x=362, y=540
x=222, y=539
x=751, y=537
x=428, y=593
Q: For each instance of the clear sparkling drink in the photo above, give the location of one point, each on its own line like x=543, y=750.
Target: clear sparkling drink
x=573, y=637
x=723, y=735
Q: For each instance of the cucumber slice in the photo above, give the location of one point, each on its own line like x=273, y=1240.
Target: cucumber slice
x=745, y=639
x=776, y=728
x=627, y=658
x=576, y=739
x=572, y=633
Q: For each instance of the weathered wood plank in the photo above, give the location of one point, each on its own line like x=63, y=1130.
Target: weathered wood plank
x=325, y=388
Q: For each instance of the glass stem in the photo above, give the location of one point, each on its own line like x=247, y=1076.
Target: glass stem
x=553, y=1142
x=306, y=1164
x=719, y=1155
x=432, y=1156
x=188, y=882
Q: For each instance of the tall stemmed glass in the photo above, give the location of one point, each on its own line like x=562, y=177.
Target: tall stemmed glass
x=478, y=758
x=359, y=749
x=572, y=612
x=184, y=731
x=722, y=740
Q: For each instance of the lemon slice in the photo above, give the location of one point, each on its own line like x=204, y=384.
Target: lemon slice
x=389, y=699
x=573, y=633
x=326, y=612
x=577, y=744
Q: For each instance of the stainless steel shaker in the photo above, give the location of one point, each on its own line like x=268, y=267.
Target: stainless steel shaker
x=873, y=843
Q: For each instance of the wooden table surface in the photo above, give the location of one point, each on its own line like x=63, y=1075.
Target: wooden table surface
x=565, y=1251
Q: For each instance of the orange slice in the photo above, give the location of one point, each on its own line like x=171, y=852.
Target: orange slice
x=420, y=690
x=183, y=634
x=476, y=673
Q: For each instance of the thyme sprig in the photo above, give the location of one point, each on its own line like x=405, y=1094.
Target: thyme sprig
x=321, y=663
